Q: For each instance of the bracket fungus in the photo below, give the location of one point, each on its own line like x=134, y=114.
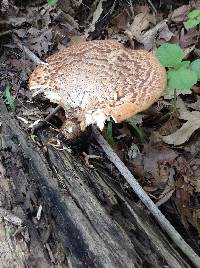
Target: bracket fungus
x=96, y=80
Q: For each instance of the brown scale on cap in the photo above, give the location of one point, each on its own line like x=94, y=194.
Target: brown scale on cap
x=96, y=80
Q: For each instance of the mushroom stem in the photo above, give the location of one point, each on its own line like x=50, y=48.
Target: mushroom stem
x=163, y=222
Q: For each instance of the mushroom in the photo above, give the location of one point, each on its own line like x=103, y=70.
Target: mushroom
x=99, y=79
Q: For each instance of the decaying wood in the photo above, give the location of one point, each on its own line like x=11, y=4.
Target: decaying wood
x=161, y=219
x=86, y=221
x=17, y=250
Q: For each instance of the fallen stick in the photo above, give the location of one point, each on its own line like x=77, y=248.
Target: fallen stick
x=27, y=51
x=164, y=223
x=41, y=123
x=152, y=6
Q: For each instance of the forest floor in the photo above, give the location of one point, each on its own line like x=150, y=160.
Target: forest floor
x=160, y=148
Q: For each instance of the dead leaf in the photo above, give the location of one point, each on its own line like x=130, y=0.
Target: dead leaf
x=148, y=39
x=165, y=33
x=8, y=8
x=169, y=93
x=196, y=89
x=196, y=218
x=96, y=15
x=140, y=23
x=182, y=204
x=136, y=119
x=183, y=168
x=70, y=22
x=4, y=5
x=195, y=4
x=75, y=39
x=197, y=52
x=121, y=21
x=157, y=161
x=184, y=133
x=161, y=30
x=169, y=126
x=41, y=43
x=45, y=15
x=141, y=9
x=193, y=148
x=196, y=180
x=20, y=32
x=180, y=14
x=188, y=38
x=16, y=21
x=195, y=105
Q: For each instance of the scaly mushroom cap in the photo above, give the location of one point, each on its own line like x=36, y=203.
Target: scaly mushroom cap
x=96, y=80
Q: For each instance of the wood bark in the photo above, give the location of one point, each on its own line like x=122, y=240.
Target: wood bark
x=86, y=220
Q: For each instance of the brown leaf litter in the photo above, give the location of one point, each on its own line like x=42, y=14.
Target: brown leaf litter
x=184, y=133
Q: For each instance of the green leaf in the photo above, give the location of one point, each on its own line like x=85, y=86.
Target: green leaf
x=139, y=132
x=191, y=23
x=52, y=2
x=169, y=55
x=194, y=14
x=109, y=133
x=181, y=79
x=183, y=65
x=195, y=66
x=9, y=98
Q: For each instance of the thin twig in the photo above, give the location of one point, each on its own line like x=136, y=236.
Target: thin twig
x=41, y=123
x=131, y=7
x=164, y=223
x=5, y=33
x=50, y=253
x=152, y=6
x=27, y=51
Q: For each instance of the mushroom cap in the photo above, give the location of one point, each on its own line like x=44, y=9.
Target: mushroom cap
x=99, y=79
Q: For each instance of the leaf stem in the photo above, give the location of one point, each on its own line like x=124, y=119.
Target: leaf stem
x=174, y=100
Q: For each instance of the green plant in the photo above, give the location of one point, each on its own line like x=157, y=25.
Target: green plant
x=109, y=133
x=9, y=98
x=193, y=19
x=181, y=74
x=138, y=130
x=52, y=2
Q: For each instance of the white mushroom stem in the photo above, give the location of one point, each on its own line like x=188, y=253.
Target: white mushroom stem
x=164, y=223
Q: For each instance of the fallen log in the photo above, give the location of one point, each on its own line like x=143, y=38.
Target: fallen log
x=71, y=215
